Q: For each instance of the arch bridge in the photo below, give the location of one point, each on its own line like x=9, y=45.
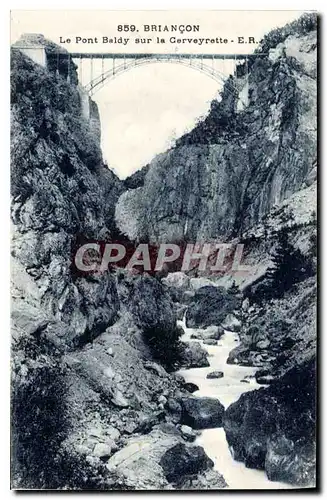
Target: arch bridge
x=96, y=69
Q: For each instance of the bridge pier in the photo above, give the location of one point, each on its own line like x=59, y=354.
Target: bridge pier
x=243, y=97
x=85, y=103
x=90, y=113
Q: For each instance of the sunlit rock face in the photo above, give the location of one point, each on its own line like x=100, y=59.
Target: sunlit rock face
x=236, y=164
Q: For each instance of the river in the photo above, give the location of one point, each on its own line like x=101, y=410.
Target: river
x=227, y=390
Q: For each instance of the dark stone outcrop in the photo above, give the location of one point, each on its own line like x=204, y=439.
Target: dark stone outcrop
x=180, y=310
x=274, y=428
x=183, y=460
x=216, y=374
x=149, y=303
x=153, y=312
x=193, y=355
x=190, y=387
x=210, y=342
x=202, y=413
x=264, y=377
x=210, y=306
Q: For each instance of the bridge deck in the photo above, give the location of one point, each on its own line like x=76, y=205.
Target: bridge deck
x=106, y=55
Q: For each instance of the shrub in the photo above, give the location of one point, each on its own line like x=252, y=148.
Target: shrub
x=39, y=425
x=165, y=345
x=306, y=23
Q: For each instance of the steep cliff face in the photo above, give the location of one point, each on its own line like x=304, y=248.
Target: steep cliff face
x=61, y=191
x=240, y=161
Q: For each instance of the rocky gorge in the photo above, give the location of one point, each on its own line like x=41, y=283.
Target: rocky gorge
x=126, y=381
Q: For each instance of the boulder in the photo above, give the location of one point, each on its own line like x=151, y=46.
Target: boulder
x=119, y=400
x=210, y=342
x=216, y=374
x=146, y=422
x=273, y=428
x=244, y=356
x=184, y=460
x=246, y=304
x=231, y=323
x=190, y=387
x=237, y=354
x=263, y=344
x=202, y=413
x=103, y=450
x=194, y=355
x=212, y=332
x=197, y=283
x=155, y=368
x=210, y=479
x=290, y=463
x=150, y=304
x=265, y=379
x=178, y=280
x=188, y=433
x=210, y=306
x=153, y=312
x=311, y=177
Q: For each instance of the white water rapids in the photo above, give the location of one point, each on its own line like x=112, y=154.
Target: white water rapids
x=227, y=390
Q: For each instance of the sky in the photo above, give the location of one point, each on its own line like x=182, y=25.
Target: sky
x=144, y=109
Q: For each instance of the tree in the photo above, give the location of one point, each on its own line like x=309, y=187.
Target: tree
x=234, y=289
x=289, y=266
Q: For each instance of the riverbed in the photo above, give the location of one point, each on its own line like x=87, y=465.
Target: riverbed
x=227, y=390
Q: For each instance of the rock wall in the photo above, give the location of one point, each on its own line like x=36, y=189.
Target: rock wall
x=62, y=192
x=236, y=164
x=274, y=428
